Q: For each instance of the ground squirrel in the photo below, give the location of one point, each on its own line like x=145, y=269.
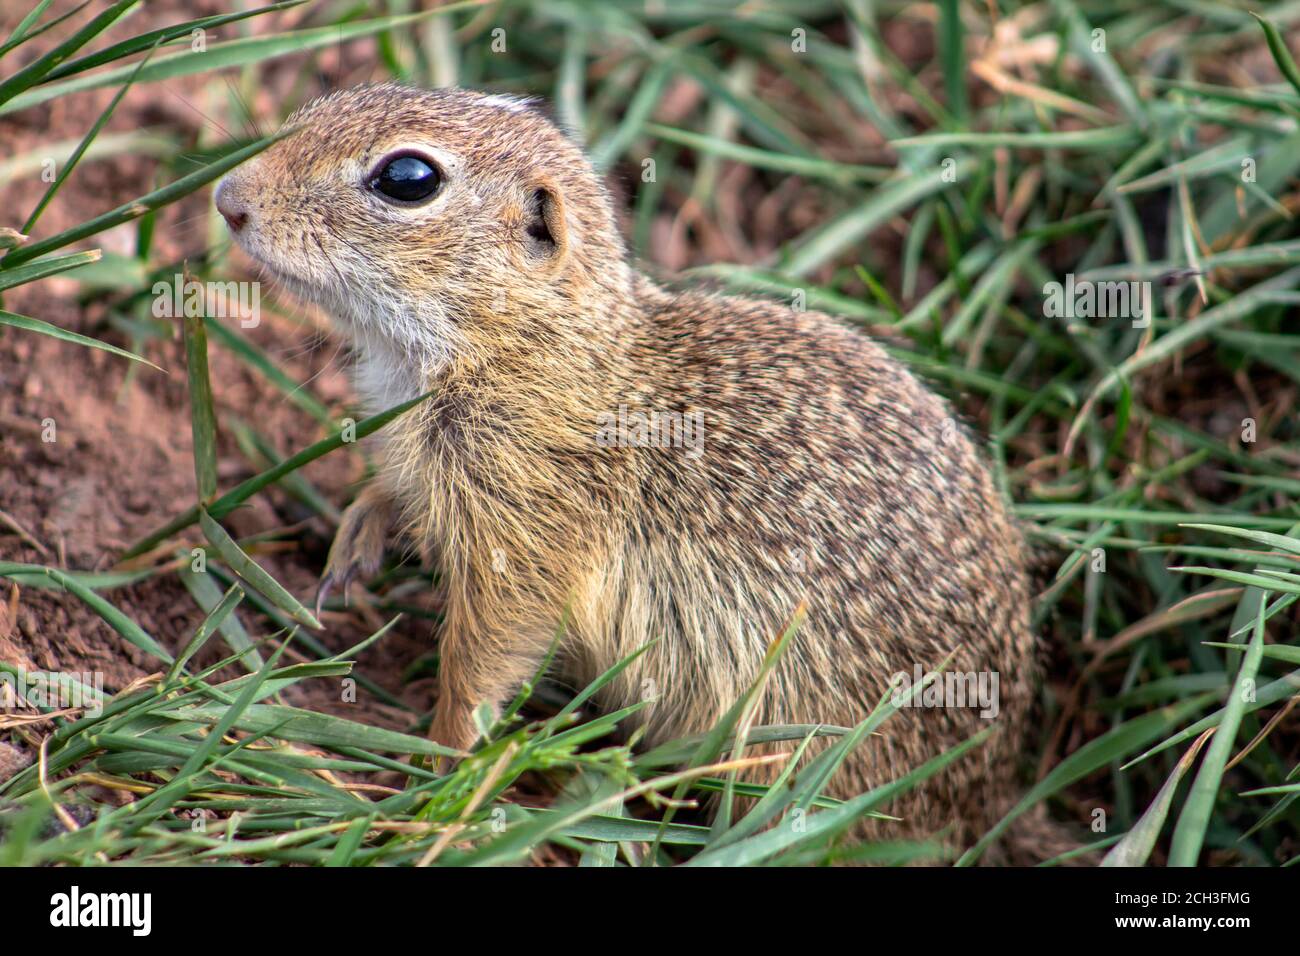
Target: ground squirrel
x=678, y=466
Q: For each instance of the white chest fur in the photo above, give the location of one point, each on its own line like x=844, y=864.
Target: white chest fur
x=384, y=375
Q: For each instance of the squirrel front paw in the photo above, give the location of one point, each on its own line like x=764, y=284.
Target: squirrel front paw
x=452, y=727
x=358, y=547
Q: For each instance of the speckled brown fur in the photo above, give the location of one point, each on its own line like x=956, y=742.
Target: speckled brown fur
x=827, y=472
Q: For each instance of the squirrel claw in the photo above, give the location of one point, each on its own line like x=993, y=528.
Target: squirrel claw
x=322, y=590
x=328, y=581
x=358, y=547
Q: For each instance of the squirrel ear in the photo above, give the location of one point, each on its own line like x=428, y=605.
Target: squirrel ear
x=547, y=234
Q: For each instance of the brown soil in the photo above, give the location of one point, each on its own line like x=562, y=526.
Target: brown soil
x=120, y=464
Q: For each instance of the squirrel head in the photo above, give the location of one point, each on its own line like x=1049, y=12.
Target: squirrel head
x=438, y=223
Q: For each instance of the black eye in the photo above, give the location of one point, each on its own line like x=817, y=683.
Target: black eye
x=407, y=179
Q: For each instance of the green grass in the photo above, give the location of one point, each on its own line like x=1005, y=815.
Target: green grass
x=1121, y=446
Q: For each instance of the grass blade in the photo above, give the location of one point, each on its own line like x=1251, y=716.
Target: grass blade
x=1089, y=758
x=138, y=207
x=9, y=278
x=1136, y=846
x=252, y=572
x=239, y=52
x=32, y=74
x=760, y=848
x=145, y=41
x=114, y=617
x=53, y=331
x=1281, y=55
x=1189, y=833
x=220, y=617
x=203, y=416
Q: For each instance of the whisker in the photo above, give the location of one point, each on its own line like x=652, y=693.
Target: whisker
x=200, y=112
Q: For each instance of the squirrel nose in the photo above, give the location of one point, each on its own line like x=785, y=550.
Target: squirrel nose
x=232, y=210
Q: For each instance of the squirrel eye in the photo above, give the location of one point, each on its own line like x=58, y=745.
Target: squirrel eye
x=407, y=179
